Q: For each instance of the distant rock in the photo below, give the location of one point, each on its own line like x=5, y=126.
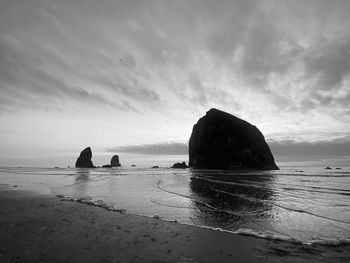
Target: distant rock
x=115, y=161
x=328, y=168
x=106, y=166
x=155, y=167
x=220, y=140
x=84, y=159
x=338, y=168
x=182, y=165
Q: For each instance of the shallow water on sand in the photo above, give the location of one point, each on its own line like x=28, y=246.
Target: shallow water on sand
x=308, y=204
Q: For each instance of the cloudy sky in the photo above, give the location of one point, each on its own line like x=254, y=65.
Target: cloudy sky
x=134, y=76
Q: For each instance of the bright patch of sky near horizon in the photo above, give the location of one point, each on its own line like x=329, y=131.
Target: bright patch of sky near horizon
x=77, y=73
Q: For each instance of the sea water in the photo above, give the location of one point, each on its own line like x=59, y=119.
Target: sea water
x=304, y=204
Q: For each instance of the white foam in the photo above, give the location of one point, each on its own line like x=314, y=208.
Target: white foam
x=242, y=231
x=329, y=242
x=89, y=201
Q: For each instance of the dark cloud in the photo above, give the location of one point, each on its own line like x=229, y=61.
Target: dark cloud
x=332, y=148
x=329, y=62
x=153, y=149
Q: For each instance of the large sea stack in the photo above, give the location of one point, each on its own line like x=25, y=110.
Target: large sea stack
x=220, y=140
x=84, y=159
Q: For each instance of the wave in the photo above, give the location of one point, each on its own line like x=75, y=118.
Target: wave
x=271, y=236
x=168, y=205
x=238, y=215
x=241, y=231
x=305, y=186
x=89, y=201
x=197, y=201
x=252, y=199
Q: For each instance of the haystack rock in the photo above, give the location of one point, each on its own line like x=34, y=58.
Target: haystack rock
x=84, y=159
x=115, y=161
x=220, y=140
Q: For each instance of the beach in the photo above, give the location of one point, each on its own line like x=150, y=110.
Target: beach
x=44, y=228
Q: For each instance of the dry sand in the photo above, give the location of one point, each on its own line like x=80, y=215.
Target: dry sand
x=42, y=228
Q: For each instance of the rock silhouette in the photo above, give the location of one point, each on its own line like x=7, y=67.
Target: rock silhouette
x=220, y=140
x=84, y=159
x=115, y=161
x=182, y=165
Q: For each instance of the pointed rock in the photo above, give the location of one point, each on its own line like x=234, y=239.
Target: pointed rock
x=84, y=159
x=220, y=140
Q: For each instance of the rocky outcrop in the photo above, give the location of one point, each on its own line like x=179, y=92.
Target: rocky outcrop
x=220, y=140
x=84, y=159
x=182, y=165
x=115, y=161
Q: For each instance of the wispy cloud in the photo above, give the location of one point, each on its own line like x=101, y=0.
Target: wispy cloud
x=281, y=65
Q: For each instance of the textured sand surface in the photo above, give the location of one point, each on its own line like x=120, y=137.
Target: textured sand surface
x=42, y=228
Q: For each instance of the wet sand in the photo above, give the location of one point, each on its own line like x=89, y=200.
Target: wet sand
x=43, y=228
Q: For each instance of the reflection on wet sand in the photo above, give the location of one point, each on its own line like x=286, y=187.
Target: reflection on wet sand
x=82, y=177
x=232, y=197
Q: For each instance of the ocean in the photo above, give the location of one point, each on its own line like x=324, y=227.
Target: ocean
x=296, y=204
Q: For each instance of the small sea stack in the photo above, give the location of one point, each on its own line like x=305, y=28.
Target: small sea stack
x=220, y=140
x=84, y=159
x=182, y=165
x=115, y=161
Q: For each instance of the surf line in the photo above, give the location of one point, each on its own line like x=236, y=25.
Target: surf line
x=224, y=211
x=290, y=209
x=167, y=205
x=286, y=208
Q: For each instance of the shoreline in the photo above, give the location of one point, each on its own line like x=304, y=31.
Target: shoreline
x=36, y=227
x=241, y=231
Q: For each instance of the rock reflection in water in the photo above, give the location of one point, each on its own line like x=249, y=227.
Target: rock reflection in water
x=81, y=179
x=232, y=199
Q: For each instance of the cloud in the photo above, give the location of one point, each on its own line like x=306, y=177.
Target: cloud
x=128, y=61
x=339, y=147
x=173, y=148
x=26, y=85
x=332, y=148
x=48, y=60
x=329, y=63
x=280, y=64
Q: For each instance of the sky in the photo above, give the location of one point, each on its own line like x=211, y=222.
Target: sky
x=133, y=77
